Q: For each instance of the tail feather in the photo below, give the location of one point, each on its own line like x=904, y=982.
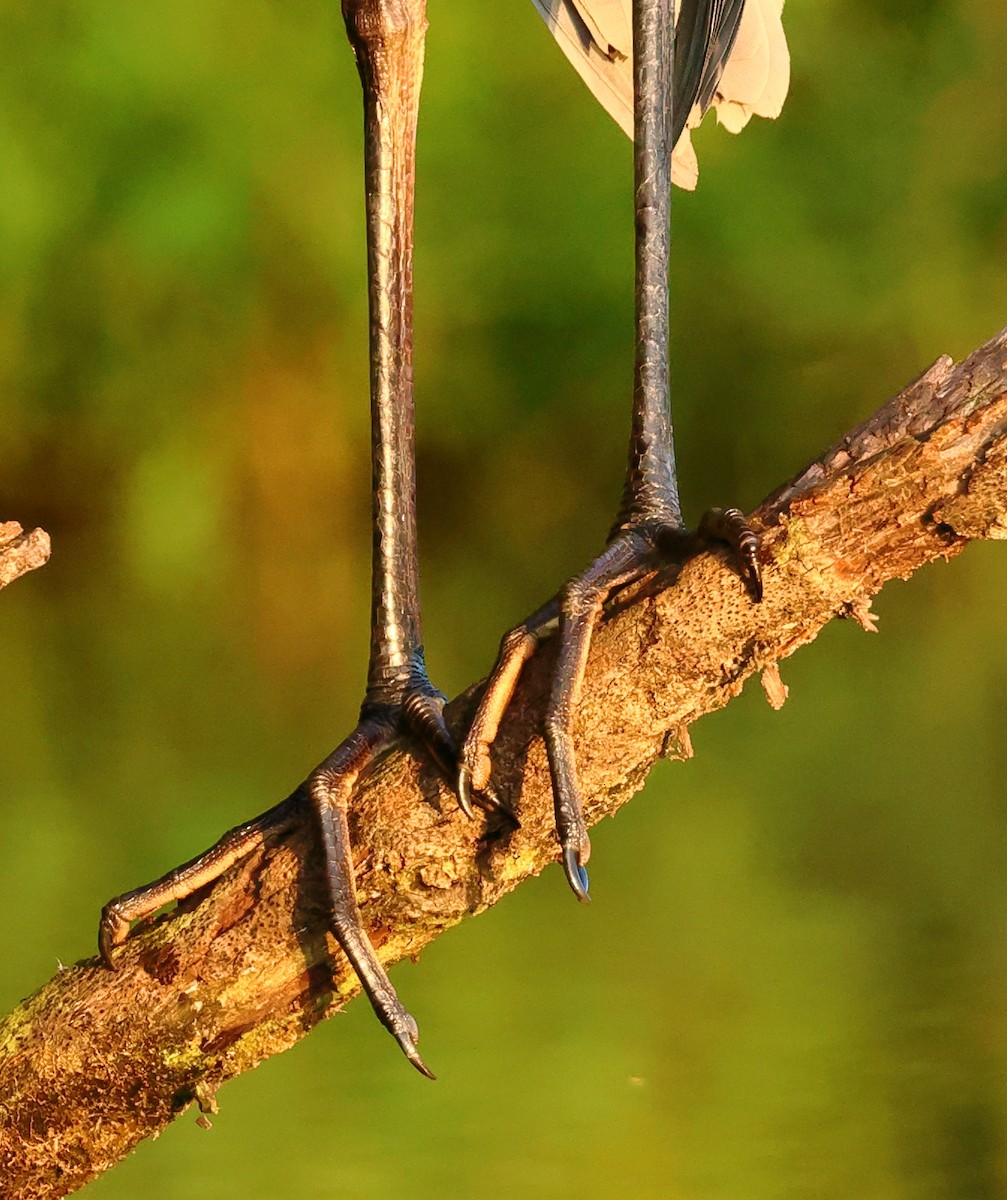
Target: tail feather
x=732, y=56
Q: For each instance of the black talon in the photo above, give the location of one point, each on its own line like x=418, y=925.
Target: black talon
x=463, y=786
x=489, y=801
x=576, y=874
x=500, y=807
x=105, y=944
x=487, y=798
x=410, y=1051
x=407, y=1038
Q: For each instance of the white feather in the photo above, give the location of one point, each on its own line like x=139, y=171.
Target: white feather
x=596, y=36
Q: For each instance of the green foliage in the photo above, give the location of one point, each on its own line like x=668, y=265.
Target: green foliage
x=790, y=983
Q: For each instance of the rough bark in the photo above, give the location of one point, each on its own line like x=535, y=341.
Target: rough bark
x=95, y=1061
x=20, y=552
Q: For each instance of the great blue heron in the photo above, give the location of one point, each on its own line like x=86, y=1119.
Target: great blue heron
x=727, y=54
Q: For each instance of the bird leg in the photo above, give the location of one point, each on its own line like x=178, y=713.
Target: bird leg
x=387, y=37
x=648, y=531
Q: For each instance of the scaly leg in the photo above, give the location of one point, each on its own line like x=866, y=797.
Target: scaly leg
x=648, y=531
x=387, y=38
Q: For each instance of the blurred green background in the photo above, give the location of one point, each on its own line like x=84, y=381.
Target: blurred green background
x=791, y=982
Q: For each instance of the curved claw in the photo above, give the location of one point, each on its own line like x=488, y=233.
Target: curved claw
x=488, y=799
x=463, y=786
x=403, y=1028
x=105, y=950
x=492, y=803
x=408, y=1047
x=112, y=928
x=576, y=874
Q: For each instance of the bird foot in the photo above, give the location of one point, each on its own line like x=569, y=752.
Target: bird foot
x=574, y=613
x=329, y=790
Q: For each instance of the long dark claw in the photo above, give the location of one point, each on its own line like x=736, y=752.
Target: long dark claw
x=410, y=1051
x=423, y=710
x=487, y=798
x=464, y=787
x=105, y=946
x=576, y=874
x=754, y=582
x=403, y=1028
x=111, y=930
x=494, y=803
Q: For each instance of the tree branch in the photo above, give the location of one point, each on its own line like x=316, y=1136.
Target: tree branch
x=96, y=1061
x=21, y=552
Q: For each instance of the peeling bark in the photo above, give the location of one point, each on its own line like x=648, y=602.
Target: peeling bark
x=21, y=552
x=95, y=1061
